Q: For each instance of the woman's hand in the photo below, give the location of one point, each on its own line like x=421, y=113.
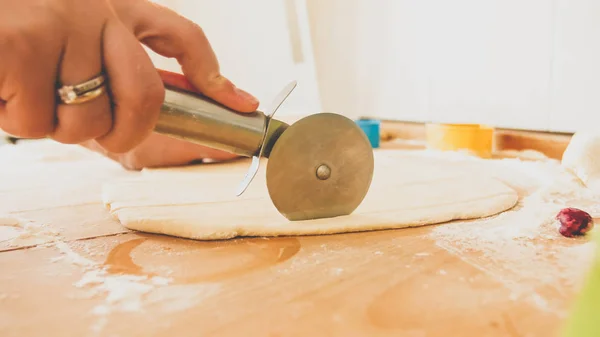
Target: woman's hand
x=45, y=44
x=161, y=151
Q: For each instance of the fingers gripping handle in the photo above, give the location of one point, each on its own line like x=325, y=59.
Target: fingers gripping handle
x=188, y=115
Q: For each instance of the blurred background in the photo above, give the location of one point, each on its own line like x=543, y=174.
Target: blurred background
x=523, y=64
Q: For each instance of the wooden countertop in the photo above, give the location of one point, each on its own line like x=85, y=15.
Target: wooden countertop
x=69, y=269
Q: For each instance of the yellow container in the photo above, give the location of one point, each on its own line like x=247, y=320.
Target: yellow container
x=475, y=138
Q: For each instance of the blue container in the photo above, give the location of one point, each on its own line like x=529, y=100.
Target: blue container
x=371, y=127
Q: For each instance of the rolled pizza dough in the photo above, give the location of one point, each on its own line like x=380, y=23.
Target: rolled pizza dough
x=198, y=202
x=581, y=157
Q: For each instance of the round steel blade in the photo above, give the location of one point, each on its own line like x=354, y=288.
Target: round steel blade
x=320, y=167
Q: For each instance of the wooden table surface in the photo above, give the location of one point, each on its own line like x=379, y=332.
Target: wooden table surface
x=69, y=269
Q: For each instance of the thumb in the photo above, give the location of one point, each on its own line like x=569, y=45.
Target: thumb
x=171, y=35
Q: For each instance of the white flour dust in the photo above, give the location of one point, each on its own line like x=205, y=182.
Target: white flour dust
x=124, y=293
x=19, y=232
x=522, y=248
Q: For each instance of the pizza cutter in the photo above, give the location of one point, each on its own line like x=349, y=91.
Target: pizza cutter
x=318, y=167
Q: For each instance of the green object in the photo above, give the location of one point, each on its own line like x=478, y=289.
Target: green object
x=584, y=319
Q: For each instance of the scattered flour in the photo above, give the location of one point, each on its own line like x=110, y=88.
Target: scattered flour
x=19, y=232
x=71, y=256
x=124, y=293
x=521, y=247
x=337, y=271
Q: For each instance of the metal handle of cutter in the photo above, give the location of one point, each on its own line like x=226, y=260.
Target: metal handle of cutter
x=188, y=115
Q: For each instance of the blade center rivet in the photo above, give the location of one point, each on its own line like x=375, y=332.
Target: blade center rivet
x=323, y=172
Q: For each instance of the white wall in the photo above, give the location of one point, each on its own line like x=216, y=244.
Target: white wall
x=531, y=64
x=261, y=45
x=575, y=90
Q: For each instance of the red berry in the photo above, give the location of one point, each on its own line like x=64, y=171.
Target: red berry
x=574, y=222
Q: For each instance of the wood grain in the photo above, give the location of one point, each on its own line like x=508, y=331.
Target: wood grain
x=406, y=282
x=370, y=284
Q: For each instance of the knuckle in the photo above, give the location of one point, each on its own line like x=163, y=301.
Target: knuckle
x=149, y=97
x=155, y=96
x=145, y=107
x=195, y=31
x=216, y=83
x=136, y=117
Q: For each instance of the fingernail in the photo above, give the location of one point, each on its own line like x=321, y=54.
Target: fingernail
x=246, y=96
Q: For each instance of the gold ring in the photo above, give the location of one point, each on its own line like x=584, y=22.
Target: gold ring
x=83, y=92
